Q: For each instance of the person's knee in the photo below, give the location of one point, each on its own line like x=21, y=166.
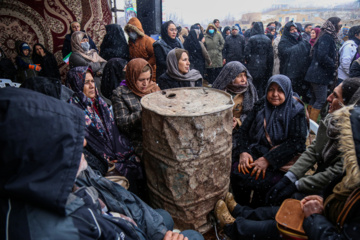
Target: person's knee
x=192, y=235
x=168, y=221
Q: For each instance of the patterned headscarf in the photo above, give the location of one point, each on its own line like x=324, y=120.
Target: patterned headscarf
x=133, y=70
x=103, y=136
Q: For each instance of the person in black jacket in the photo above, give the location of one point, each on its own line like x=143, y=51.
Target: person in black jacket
x=355, y=66
x=259, y=57
x=74, y=26
x=7, y=68
x=234, y=46
x=114, y=44
x=47, y=61
x=294, y=55
x=271, y=135
x=178, y=73
x=322, y=70
x=163, y=46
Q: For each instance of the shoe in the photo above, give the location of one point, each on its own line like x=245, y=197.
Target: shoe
x=222, y=214
x=230, y=202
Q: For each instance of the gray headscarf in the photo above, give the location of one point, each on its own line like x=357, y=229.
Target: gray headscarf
x=173, y=69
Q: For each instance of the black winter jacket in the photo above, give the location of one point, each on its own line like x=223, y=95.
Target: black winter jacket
x=259, y=53
x=166, y=82
x=355, y=69
x=294, y=54
x=323, y=65
x=234, y=48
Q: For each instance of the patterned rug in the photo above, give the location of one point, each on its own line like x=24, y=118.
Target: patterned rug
x=48, y=21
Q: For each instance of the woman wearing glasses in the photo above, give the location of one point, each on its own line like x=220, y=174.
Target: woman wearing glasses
x=164, y=45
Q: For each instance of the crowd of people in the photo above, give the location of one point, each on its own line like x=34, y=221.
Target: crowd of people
x=62, y=165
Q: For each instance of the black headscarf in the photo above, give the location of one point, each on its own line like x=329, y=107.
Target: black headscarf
x=173, y=43
x=258, y=28
x=113, y=74
x=191, y=43
x=224, y=31
x=277, y=118
x=48, y=63
x=114, y=44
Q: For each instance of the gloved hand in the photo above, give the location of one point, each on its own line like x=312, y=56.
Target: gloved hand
x=285, y=193
x=274, y=192
x=35, y=67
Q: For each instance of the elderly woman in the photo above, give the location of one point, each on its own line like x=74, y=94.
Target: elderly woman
x=49, y=66
x=105, y=145
x=126, y=100
x=235, y=79
x=271, y=135
x=178, y=73
x=163, y=46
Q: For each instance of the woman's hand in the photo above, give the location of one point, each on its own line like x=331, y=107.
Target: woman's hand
x=259, y=166
x=234, y=122
x=244, y=162
x=311, y=197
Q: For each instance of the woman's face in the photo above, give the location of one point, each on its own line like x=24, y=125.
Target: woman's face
x=184, y=64
x=241, y=79
x=275, y=95
x=313, y=34
x=89, y=86
x=39, y=50
x=143, y=81
x=172, y=31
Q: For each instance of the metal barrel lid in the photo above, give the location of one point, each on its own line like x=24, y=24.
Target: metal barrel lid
x=187, y=101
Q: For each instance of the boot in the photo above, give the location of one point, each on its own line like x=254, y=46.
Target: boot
x=314, y=114
x=222, y=214
x=309, y=107
x=230, y=202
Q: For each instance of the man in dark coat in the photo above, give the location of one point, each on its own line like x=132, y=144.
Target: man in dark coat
x=294, y=55
x=234, y=46
x=75, y=26
x=259, y=57
x=306, y=34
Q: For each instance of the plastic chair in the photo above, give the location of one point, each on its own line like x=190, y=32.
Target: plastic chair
x=8, y=83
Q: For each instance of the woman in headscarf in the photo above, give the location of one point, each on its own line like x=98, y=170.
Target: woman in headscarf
x=178, y=73
x=235, y=79
x=47, y=61
x=197, y=51
x=82, y=55
x=164, y=45
x=271, y=135
x=126, y=100
x=322, y=70
x=113, y=76
x=314, y=35
x=114, y=44
x=105, y=145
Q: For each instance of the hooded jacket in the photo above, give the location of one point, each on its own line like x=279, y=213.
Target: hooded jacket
x=259, y=54
x=214, y=45
x=22, y=62
x=41, y=146
x=294, y=54
x=142, y=47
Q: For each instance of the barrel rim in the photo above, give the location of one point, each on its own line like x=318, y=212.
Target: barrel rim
x=226, y=106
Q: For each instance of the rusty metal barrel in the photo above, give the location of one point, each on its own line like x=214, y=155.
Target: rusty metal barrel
x=187, y=140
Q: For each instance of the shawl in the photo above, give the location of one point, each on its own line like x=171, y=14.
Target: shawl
x=192, y=43
x=114, y=44
x=113, y=74
x=103, y=136
x=226, y=78
x=173, y=43
x=277, y=118
x=90, y=55
x=133, y=70
x=328, y=28
x=173, y=69
x=313, y=40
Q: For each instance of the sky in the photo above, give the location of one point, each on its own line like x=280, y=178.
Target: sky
x=192, y=11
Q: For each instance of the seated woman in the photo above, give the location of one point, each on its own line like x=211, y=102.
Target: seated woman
x=106, y=146
x=235, y=79
x=178, y=73
x=126, y=100
x=271, y=135
x=114, y=44
x=49, y=66
x=114, y=74
x=82, y=55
